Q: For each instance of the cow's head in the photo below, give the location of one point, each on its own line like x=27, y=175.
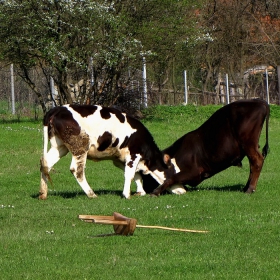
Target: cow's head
x=159, y=168
x=151, y=182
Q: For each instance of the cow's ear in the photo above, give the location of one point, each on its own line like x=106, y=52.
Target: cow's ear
x=167, y=160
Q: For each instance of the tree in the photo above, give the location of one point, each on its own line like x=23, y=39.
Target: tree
x=60, y=37
x=163, y=29
x=234, y=36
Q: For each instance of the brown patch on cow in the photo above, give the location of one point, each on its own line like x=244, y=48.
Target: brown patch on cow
x=115, y=144
x=78, y=144
x=60, y=122
x=44, y=169
x=130, y=164
x=125, y=142
x=109, y=153
x=80, y=172
x=106, y=112
x=84, y=110
x=120, y=116
x=104, y=141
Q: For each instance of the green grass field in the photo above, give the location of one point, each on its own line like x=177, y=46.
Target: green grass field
x=46, y=240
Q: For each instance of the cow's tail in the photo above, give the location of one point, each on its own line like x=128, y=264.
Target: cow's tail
x=44, y=165
x=265, y=149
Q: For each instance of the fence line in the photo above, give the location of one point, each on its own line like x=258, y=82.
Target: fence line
x=26, y=103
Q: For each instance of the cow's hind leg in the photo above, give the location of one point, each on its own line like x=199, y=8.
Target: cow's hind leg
x=57, y=151
x=256, y=160
x=77, y=168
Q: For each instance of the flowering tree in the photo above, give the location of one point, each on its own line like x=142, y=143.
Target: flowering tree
x=61, y=37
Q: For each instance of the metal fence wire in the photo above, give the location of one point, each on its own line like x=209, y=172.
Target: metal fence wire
x=26, y=101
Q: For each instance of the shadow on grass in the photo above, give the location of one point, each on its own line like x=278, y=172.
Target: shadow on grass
x=233, y=188
x=69, y=195
x=19, y=120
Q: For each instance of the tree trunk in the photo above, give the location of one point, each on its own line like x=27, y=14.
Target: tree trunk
x=64, y=89
x=25, y=76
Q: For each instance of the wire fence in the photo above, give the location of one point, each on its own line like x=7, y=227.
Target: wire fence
x=26, y=102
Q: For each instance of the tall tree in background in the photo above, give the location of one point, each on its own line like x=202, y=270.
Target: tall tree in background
x=77, y=41
x=165, y=25
x=234, y=36
x=60, y=37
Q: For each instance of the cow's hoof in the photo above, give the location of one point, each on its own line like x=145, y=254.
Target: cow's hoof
x=177, y=189
x=91, y=195
x=42, y=196
x=248, y=190
x=154, y=195
x=125, y=196
x=140, y=194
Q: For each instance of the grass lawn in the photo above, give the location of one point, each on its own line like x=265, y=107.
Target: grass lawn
x=46, y=240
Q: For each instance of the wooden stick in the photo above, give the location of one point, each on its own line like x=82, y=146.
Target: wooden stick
x=96, y=217
x=112, y=222
x=174, y=229
x=127, y=224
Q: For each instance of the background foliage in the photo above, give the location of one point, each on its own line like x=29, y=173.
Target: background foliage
x=94, y=49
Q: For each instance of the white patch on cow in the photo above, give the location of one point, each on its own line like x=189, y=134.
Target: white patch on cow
x=56, y=152
x=139, y=183
x=112, y=125
x=129, y=173
x=159, y=176
x=137, y=178
x=178, y=188
x=109, y=153
x=50, y=158
x=77, y=167
x=46, y=140
x=177, y=169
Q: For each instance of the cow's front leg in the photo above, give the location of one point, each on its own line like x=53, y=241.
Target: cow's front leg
x=167, y=183
x=77, y=168
x=131, y=164
x=139, y=183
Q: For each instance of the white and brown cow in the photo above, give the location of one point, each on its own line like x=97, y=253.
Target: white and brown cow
x=101, y=133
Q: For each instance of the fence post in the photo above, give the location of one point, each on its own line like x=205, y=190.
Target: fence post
x=227, y=88
x=186, y=87
x=52, y=91
x=12, y=89
x=267, y=89
x=145, y=83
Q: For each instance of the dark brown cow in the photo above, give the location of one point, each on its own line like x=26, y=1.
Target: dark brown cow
x=229, y=135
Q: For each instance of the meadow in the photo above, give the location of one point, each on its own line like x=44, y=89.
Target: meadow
x=46, y=240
